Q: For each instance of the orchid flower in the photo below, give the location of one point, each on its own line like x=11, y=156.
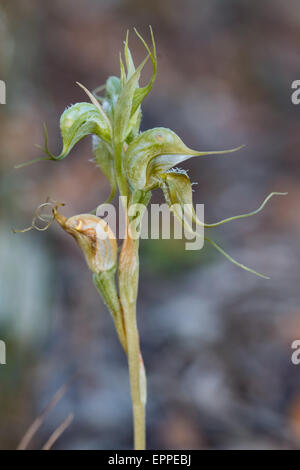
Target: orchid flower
x=135, y=163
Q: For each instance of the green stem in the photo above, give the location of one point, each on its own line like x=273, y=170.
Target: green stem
x=128, y=286
x=137, y=381
x=126, y=327
x=105, y=284
x=120, y=172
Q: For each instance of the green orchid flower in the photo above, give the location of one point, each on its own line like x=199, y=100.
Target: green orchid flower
x=155, y=151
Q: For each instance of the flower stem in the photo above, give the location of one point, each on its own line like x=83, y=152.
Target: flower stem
x=137, y=382
x=128, y=286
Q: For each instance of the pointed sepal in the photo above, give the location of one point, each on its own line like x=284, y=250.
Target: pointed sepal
x=154, y=152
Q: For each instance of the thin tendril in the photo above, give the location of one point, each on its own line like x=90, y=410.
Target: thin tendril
x=232, y=260
x=40, y=217
x=249, y=214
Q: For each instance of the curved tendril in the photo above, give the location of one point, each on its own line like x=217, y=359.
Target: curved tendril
x=31, y=162
x=249, y=214
x=217, y=247
x=45, y=149
x=38, y=216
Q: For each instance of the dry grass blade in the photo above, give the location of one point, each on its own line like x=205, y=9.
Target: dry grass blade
x=32, y=430
x=58, y=432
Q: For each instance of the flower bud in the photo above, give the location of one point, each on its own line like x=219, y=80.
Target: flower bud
x=94, y=237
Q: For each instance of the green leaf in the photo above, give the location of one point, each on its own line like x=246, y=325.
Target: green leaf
x=156, y=151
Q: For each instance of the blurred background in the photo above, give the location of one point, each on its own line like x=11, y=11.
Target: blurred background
x=216, y=340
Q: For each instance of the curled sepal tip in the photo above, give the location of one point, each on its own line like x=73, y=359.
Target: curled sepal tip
x=42, y=215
